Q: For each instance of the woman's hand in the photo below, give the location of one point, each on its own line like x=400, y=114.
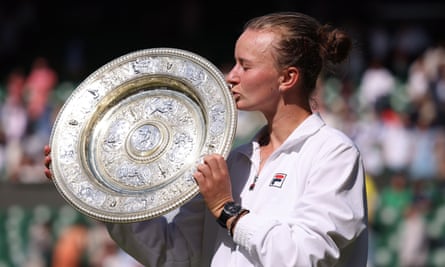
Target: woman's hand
x=47, y=151
x=214, y=183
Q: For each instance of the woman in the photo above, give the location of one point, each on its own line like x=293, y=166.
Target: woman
x=294, y=195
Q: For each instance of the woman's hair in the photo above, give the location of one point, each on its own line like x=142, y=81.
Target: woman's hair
x=304, y=43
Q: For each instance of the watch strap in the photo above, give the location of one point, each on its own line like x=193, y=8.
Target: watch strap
x=230, y=210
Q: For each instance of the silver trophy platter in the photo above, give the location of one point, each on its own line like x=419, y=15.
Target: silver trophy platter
x=126, y=142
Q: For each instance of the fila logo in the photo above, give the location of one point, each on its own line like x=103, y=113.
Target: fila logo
x=278, y=180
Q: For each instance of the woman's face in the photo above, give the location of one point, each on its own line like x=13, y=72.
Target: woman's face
x=255, y=77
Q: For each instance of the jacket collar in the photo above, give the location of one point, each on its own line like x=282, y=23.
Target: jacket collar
x=308, y=127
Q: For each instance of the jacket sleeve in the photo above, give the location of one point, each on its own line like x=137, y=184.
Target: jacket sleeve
x=171, y=240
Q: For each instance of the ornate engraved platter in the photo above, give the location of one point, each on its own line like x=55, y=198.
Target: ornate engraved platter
x=126, y=142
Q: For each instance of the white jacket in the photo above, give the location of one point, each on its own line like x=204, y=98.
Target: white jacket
x=308, y=208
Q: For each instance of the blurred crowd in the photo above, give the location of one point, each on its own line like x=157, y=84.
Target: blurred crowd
x=398, y=123
x=42, y=236
x=395, y=112
x=391, y=103
x=25, y=117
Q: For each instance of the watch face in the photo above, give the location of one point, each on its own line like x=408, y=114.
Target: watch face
x=232, y=208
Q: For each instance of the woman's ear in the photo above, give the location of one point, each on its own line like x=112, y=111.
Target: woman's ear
x=289, y=78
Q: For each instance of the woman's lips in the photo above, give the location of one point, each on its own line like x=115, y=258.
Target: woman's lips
x=236, y=96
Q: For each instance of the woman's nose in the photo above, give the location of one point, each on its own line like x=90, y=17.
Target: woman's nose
x=232, y=78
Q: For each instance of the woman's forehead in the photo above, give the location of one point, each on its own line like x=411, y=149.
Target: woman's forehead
x=255, y=43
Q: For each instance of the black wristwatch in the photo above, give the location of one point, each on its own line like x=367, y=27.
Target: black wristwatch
x=230, y=210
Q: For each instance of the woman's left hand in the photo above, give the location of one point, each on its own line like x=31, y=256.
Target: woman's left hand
x=47, y=162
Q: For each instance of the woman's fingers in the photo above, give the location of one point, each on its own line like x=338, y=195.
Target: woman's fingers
x=48, y=174
x=46, y=150
x=210, y=171
x=47, y=162
x=214, y=182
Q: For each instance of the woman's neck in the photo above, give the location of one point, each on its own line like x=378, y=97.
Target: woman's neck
x=282, y=124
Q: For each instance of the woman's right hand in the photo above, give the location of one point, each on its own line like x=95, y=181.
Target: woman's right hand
x=47, y=151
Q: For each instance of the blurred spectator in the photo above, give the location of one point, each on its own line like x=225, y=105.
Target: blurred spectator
x=438, y=94
x=413, y=239
x=395, y=198
x=3, y=143
x=70, y=248
x=413, y=242
x=396, y=141
x=434, y=56
x=40, y=245
x=104, y=252
x=377, y=83
x=29, y=169
x=14, y=117
x=27, y=121
x=368, y=139
x=14, y=120
x=440, y=154
x=39, y=85
x=418, y=81
x=89, y=245
x=424, y=162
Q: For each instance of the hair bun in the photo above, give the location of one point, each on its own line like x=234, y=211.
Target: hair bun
x=335, y=43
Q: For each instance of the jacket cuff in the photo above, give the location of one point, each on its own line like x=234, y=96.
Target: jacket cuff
x=249, y=226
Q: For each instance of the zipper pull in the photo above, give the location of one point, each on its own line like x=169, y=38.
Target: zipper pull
x=252, y=185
